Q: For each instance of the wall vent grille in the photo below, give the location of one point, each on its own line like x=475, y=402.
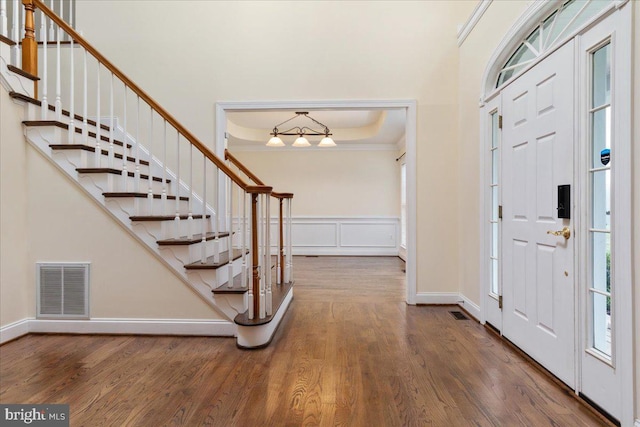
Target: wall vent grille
x=63, y=290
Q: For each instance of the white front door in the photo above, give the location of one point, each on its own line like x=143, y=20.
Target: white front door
x=537, y=267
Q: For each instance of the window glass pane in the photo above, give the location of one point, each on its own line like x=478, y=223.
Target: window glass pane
x=521, y=55
x=534, y=39
x=601, y=200
x=601, y=137
x=494, y=203
x=602, y=323
x=569, y=10
x=601, y=261
x=494, y=130
x=494, y=167
x=506, y=75
x=589, y=12
x=494, y=239
x=494, y=276
x=601, y=76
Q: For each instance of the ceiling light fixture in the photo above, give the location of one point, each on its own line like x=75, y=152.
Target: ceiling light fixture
x=301, y=132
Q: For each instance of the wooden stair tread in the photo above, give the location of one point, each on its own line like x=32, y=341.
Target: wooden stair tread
x=211, y=264
x=23, y=73
x=93, y=150
x=163, y=217
x=42, y=123
x=37, y=102
x=278, y=293
x=196, y=238
x=7, y=40
x=237, y=287
x=124, y=194
x=118, y=172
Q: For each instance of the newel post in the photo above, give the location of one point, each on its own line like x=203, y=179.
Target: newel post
x=29, y=43
x=257, y=228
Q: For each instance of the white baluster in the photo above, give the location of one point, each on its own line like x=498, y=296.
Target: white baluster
x=290, y=249
x=261, y=262
x=72, y=123
x=203, y=243
x=216, y=229
x=40, y=37
x=58, y=104
x=85, y=95
x=190, y=218
x=176, y=185
x=70, y=20
x=125, y=172
x=61, y=15
x=4, y=30
x=112, y=125
x=44, y=109
x=163, y=199
x=230, y=231
x=243, y=246
x=98, y=152
x=150, y=144
x=249, y=268
x=137, y=173
x=52, y=34
x=16, y=33
x=267, y=254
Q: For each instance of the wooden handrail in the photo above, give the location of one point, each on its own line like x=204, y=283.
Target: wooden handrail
x=233, y=159
x=142, y=94
x=243, y=168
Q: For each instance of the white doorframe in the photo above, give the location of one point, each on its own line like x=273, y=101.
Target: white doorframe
x=410, y=106
x=623, y=204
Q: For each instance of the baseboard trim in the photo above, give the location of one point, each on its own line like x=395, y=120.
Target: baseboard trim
x=437, y=298
x=186, y=327
x=14, y=330
x=470, y=307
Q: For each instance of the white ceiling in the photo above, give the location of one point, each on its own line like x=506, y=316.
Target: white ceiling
x=351, y=129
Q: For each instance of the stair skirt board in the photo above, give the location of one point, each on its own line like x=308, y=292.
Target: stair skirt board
x=180, y=327
x=254, y=337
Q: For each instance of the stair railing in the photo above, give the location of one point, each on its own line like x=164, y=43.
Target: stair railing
x=139, y=133
x=284, y=259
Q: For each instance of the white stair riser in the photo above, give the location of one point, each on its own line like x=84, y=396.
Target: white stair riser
x=192, y=253
x=87, y=159
x=136, y=206
x=108, y=182
x=161, y=230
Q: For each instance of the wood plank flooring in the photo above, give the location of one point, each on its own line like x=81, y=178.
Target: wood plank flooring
x=350, y=352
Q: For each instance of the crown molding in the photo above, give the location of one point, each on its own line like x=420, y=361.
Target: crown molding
x=473, y=20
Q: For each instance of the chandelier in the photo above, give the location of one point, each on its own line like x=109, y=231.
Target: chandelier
x=303, y=131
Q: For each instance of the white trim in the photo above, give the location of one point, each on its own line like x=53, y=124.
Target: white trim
x=470, y=306
x=411, y=141
x=14, y=330
x=437, y=298
x=258, y=336
x=473, y=20
x=186, y=327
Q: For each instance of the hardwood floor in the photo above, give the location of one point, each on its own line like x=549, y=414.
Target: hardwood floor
x=350, y=352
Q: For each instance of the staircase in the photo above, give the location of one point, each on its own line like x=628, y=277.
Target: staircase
x=208, y=220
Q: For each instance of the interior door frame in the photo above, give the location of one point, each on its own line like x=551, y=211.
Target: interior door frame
x=622, y=228
x=408, y=105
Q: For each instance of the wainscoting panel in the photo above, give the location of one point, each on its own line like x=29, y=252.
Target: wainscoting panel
x=346, y=236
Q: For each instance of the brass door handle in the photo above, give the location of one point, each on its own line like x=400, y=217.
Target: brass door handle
x=565, y=232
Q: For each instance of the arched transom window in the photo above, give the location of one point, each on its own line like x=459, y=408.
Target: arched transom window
x=554, y=29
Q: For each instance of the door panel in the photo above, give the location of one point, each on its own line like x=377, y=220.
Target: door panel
x=538, y=279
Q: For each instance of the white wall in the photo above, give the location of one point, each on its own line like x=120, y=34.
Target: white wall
x=636, y=188
x=189, y=55
x=17, y=298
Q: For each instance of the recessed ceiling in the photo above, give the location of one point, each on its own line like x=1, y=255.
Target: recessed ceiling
x=351, y=129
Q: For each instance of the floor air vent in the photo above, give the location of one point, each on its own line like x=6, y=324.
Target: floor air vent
x=63, y=290
x=459, y=315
